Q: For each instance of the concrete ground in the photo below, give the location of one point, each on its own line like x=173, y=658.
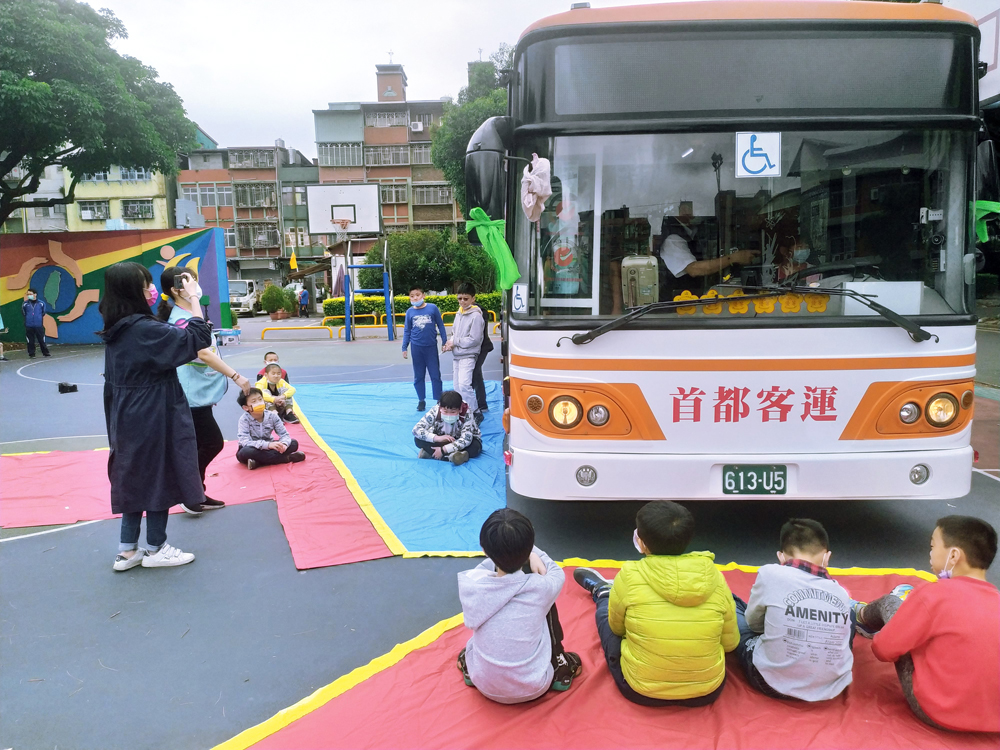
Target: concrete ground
x=189, y=657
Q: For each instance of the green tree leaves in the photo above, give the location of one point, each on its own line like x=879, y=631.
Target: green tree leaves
x=430, y=260
x=68, y=98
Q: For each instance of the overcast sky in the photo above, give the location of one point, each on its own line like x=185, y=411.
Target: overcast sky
x=250, y=71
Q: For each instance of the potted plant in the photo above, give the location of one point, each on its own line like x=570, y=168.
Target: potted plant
x=273, y=301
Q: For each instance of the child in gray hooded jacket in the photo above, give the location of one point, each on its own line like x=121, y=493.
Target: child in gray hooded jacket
x=515, y=653
x=466, y=341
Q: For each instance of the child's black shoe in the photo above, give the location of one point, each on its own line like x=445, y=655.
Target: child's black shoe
x=422, y=406
x=463, y=669
x=595, y=584
x=568, y=666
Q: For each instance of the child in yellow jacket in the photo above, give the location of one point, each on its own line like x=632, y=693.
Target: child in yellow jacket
x=277, y=393
x=667, y=620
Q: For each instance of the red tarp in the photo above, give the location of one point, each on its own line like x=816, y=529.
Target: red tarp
x=322, y=521
x=421, y=702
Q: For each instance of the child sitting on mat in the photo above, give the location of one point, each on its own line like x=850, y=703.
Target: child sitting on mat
x=667, y=620
x=269, y=358
x=257, y=427
x=515, y=653
x=448, y=432
x=277, y=393
x=796, y=632
x=945, y=637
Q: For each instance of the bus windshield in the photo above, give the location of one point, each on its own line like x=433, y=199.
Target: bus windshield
x=883, y=212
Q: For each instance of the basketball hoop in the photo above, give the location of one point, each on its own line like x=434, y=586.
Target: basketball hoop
x=341, y=232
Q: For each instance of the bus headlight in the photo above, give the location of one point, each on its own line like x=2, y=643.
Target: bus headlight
x=598, y=415
x=565, y=412
x=942, y=410
x=909, y=413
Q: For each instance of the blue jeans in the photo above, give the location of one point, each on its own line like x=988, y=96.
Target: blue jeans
x=425, y=360
x=750, y=639
x=612, y=645
x=156, y=530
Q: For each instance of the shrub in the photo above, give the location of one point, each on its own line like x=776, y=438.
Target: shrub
x=368, y=305
x=986, y=285
x=291, y=301
x=273, y=299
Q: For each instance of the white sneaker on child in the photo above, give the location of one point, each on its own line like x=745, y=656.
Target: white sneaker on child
x=167, y=557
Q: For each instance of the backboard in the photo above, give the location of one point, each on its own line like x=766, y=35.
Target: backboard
x=332, y=205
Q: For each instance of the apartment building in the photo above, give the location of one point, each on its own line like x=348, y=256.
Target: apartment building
x=120, y=197
x=388, y=141
x=238, y=189
x=40, y=218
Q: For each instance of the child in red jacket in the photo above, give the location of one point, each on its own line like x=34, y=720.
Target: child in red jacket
x=945, y=636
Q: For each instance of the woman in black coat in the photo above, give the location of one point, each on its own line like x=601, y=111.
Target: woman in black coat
x=153, y=463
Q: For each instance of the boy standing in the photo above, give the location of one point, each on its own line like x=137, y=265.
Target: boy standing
x=945, y=636
x=448, y=432
x=466, y=340
x=34, y=323
x=277, y=393
x=515, y=653
x=796, y=632
x=478, y=381
x=420, y=330
x=257, y=427
x=272, y=357
x=667, y=620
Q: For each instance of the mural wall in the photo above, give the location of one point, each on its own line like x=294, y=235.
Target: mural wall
x=67, y=270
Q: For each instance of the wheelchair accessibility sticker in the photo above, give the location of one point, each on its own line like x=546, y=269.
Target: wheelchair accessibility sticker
x=758, y=154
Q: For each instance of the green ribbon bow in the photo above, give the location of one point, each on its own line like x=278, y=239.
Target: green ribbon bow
x=491, y=235
x=983, y=210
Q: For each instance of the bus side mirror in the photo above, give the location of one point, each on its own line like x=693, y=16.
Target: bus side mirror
x=485, y=183
x=987, y=176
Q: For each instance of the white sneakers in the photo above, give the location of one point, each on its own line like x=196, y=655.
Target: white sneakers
x=124, y=563
x=167, y=557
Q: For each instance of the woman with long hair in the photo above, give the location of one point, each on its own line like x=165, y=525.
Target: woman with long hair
x=153, y=464
x=204, y=379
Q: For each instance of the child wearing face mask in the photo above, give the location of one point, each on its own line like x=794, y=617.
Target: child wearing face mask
x=945, y=637
x=796, y=631
x=667, y=621
x=448, y=432
x=420, y=332
x=255, y=432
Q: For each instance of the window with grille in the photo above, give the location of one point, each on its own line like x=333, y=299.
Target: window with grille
x=387, y=119
x=137, y=209
x=393, y=193
x=251, y=158
x=290, y=238
x=190, y=193
x=207, y=196
x=430, y=196
x=396, y=228
x=303, y=236
x=384, y=156
x=135, y=175
x=425, y=120
x=41, y=212
x=94, y=210
x=224, y=194
x=258, y=234
x=95, y=177
x=256, y=194
x=230, y=233
x=59, y=209
x=436, y=227
x=340, y=155
x=420, y=154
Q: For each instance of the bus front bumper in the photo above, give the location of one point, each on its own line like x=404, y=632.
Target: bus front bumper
x=822, y=476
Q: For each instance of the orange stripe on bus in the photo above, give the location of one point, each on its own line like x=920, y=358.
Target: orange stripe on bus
x=743, y=365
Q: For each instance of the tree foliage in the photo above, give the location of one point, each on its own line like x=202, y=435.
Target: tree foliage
x=68, y=98
x=430, y=260
x=483, y=98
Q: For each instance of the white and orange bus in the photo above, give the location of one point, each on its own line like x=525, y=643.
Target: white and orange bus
x=786, y=190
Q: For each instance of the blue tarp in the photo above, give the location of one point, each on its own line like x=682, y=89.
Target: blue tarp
x=431, y=506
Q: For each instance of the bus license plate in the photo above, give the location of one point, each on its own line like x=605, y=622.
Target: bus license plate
x=754, y=479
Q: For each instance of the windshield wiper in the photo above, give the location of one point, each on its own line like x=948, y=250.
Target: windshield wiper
x=915, y=332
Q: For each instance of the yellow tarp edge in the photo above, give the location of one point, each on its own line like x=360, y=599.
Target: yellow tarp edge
x=577, y=562
x=307, y=705
x=381, y=527
x=410, y=555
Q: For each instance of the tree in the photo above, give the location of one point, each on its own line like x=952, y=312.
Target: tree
x=483, y=98
x=430, y=260
x=68, y=98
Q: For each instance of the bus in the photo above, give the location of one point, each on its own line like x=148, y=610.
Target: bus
x=754, y=275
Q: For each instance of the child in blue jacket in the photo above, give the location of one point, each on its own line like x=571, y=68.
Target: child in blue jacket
x=423, y=321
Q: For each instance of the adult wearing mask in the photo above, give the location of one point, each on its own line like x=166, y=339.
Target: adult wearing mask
x=204, y=379
x=34, y=323
x=153, y=461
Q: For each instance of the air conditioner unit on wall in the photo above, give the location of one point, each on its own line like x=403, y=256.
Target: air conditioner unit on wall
x=86, y=215
x=416, y=127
